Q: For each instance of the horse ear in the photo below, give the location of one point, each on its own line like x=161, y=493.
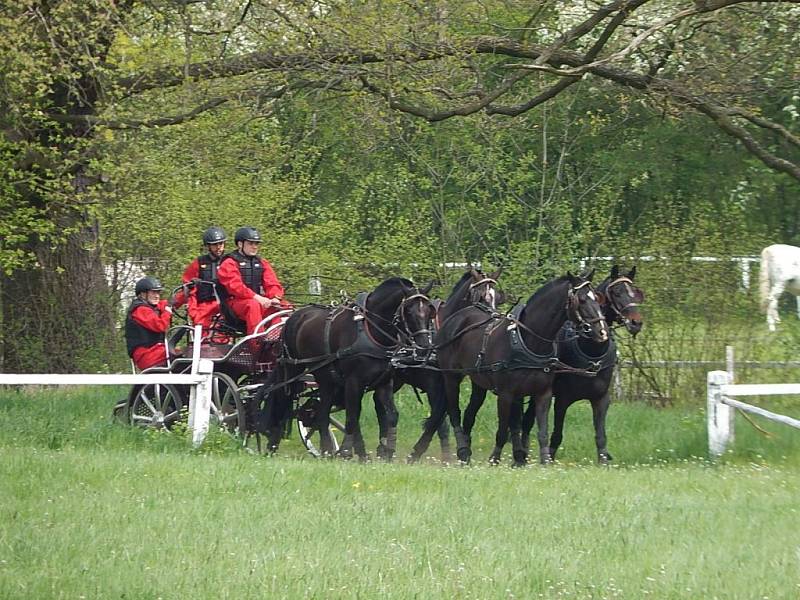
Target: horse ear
x=589, y=275
x=497, y=273
x=614, y=271
x=632, y=273
x=572, y=279
x=427, y=288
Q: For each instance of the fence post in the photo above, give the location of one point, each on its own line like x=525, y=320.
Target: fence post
x=201, y=402
x=719, y=415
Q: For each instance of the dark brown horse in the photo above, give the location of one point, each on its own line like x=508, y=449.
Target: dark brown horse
x=416, y=366
x=620, y=300
x=514, y=355
x=347, y=349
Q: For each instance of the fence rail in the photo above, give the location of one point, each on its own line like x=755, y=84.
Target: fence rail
x=721, y=404
x=199, y=379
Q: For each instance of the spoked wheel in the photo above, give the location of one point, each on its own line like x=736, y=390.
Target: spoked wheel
x=155, y=405
x=227, y=409
x=313, y=439
x=255, y=440
x=318, y=442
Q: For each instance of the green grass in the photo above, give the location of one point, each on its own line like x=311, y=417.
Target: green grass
x=97, y=510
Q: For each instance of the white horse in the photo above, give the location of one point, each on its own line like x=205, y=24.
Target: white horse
x=780, y=272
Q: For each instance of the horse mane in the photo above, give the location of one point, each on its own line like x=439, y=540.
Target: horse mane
x=547, y=287
x=393, y=282
x=461, y=282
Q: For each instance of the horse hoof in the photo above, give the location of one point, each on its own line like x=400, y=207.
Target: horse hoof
x=520, y=457
x=412, y=459
x=464, y=454
x=494, y=460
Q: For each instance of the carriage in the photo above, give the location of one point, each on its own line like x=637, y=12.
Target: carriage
x=243, y=364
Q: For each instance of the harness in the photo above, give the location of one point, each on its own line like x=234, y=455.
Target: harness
x=571, y=353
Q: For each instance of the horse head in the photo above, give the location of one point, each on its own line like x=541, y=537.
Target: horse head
x=620, y=299
x=483, y=288
x=583, y=308
x=415, y=315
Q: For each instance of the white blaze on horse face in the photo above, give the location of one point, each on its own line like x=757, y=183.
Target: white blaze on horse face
x=591, y=295
x=490, y=297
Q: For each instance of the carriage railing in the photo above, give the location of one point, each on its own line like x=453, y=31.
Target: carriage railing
x=242, y=345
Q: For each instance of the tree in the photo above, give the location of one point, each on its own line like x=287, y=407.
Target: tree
x=76, y=72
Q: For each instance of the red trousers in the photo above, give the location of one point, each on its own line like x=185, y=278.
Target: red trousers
x=202, y=313
x=250, y=312
x=150, y=356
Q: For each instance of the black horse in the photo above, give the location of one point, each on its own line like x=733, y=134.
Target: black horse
x=514, y=355
x=347, y=349
x=416, y=366
x=619, y=299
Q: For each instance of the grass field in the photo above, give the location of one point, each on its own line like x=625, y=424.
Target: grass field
x=91, y=509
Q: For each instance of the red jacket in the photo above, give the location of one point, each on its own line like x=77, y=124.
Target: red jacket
x=149, y=319
x=230, y=277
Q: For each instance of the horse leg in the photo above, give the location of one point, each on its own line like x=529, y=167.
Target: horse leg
x=433, y=423
x=322, y=419
x=353, y=440
x=519, y=449
x=599, y=411
x=444, y=441
x=528, y=419
x=380, y=413
x=558, y=426
x=773, y=318
x=388, y=440
x=476, y=399
x=504, y=403
x=452, y=384
x=542, y=405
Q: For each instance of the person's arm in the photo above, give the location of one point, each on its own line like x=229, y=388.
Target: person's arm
x=269, y=281
x=191, y=272
x=147, y=318
x=230, y=278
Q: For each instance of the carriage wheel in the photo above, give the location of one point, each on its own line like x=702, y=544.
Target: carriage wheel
x=155, y=405
x=312, y=438
x=227, y=409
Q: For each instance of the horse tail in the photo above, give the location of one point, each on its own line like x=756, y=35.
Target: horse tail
x=763, y=278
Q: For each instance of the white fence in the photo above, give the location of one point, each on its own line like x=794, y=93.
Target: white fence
x=199, y=379
x=721, y=404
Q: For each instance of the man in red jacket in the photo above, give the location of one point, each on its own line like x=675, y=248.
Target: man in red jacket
x=248, y=285
x=203, y=300
x=147, y=320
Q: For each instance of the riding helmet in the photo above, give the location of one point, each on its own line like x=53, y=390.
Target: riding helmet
x=146, y=284
x=214, y=235
x=249, y=234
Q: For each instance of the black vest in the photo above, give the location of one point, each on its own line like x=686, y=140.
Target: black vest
x=208, y=266
x=136, y=335
x=251, y=269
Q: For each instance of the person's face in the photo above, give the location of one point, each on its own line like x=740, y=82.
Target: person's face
x=250, y=248
x=217, y=249
x=152, y=296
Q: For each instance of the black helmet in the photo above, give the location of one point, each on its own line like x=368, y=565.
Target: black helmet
x=214, y=235
x=247, y=233
x=146, y=284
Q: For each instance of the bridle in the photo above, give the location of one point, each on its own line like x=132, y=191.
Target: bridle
x=583, y=325
x=490, y=293
x=401, y=322
x=619, y=317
